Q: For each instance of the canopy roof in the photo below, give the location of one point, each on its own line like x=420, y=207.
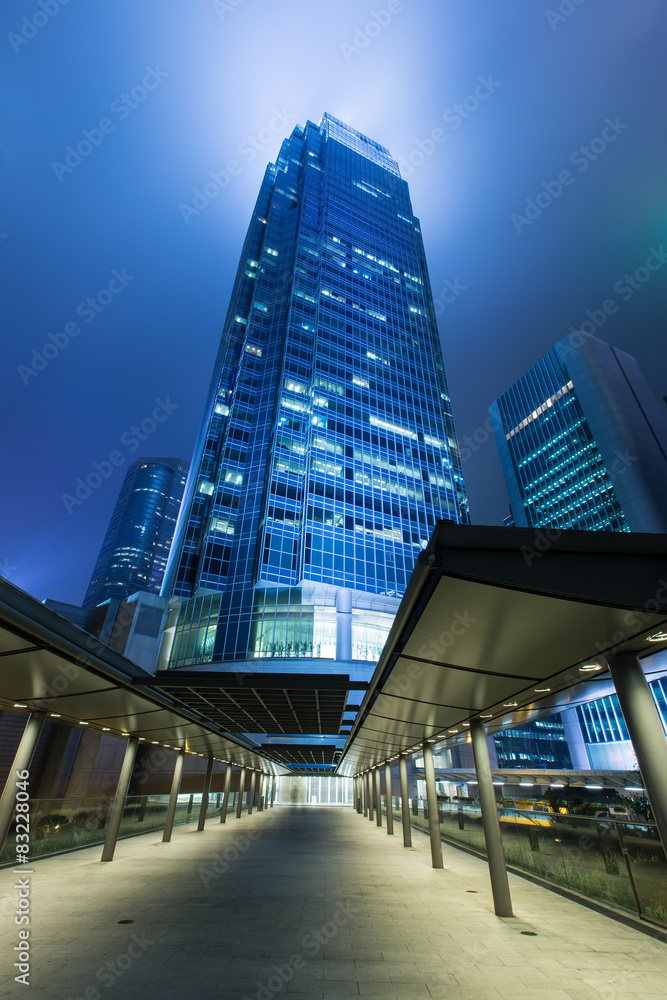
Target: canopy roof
x=504, y=624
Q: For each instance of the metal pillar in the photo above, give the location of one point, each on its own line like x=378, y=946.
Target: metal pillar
x=273, y=791
x=387, y=798
x=22, y=761
x=120, y=799
x=260, y=792
x=369, y=788
x=358, y=795
x=646, y=732
x=502, y=901
x=251, y=797
x=378, y=796
x=364, y=786
x=225, y=794
x=205, y=794
x=432, y=803
x=239, y=804
x=173, y=797
x=405, y=801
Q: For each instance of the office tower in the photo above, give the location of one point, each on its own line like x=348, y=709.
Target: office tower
x=327, y=450
x=538, y=744
x=583, y=442
x=134, y=553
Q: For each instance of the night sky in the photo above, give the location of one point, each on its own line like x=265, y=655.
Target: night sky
x=172, y=90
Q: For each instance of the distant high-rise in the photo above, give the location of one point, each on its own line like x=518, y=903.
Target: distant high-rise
x=583, y=442
x=327, y=450
x=134, y=553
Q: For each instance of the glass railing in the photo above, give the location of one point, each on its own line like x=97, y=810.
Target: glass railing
x=617, y=861
x=63, y=824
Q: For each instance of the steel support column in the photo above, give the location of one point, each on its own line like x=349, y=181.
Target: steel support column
x=378, y=796
x=502, y=901
x=387, y=798
x=225, y=794
x=370, y=793
x=251, y=795
x=120, y=799
x=205, y=794
x=432, y=803
x=239, y=804
x=22, y=761
x=405, y=801
x=646, y=732
x=173, y=796
x=260, y=792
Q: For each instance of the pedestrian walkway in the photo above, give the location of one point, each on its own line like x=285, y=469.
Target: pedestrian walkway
x=314, y=901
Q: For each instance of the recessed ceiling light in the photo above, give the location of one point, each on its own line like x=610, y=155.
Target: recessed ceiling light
x=587, y=667
x=81, y=723
x=465, y=723
x=486, y=716
x=596, y=787
x=56, y=715
x=540, y=690
x=105, y=729
x=18, y=705
x=557, y=784
x=510, y=704
x=452, y=730
x=498, y=782
x=526, y=784
x=658, y=637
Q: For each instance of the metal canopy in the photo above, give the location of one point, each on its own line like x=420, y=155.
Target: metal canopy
x=262, y=703
x=48, y=664
x=504, y=624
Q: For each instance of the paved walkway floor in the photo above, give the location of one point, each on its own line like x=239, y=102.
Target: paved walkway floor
x=315, y=902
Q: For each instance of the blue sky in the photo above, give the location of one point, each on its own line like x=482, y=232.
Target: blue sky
x=484, y=103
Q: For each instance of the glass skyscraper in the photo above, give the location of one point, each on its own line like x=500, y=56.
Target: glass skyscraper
x=583, y=442
x=136, y=546
x=327, y=450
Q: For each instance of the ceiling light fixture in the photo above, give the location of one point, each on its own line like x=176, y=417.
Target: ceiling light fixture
x=588, y=667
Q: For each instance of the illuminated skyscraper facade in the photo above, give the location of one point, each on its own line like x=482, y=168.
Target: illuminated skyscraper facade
x=583, y=442
x=327, y=450
x=136, y=546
